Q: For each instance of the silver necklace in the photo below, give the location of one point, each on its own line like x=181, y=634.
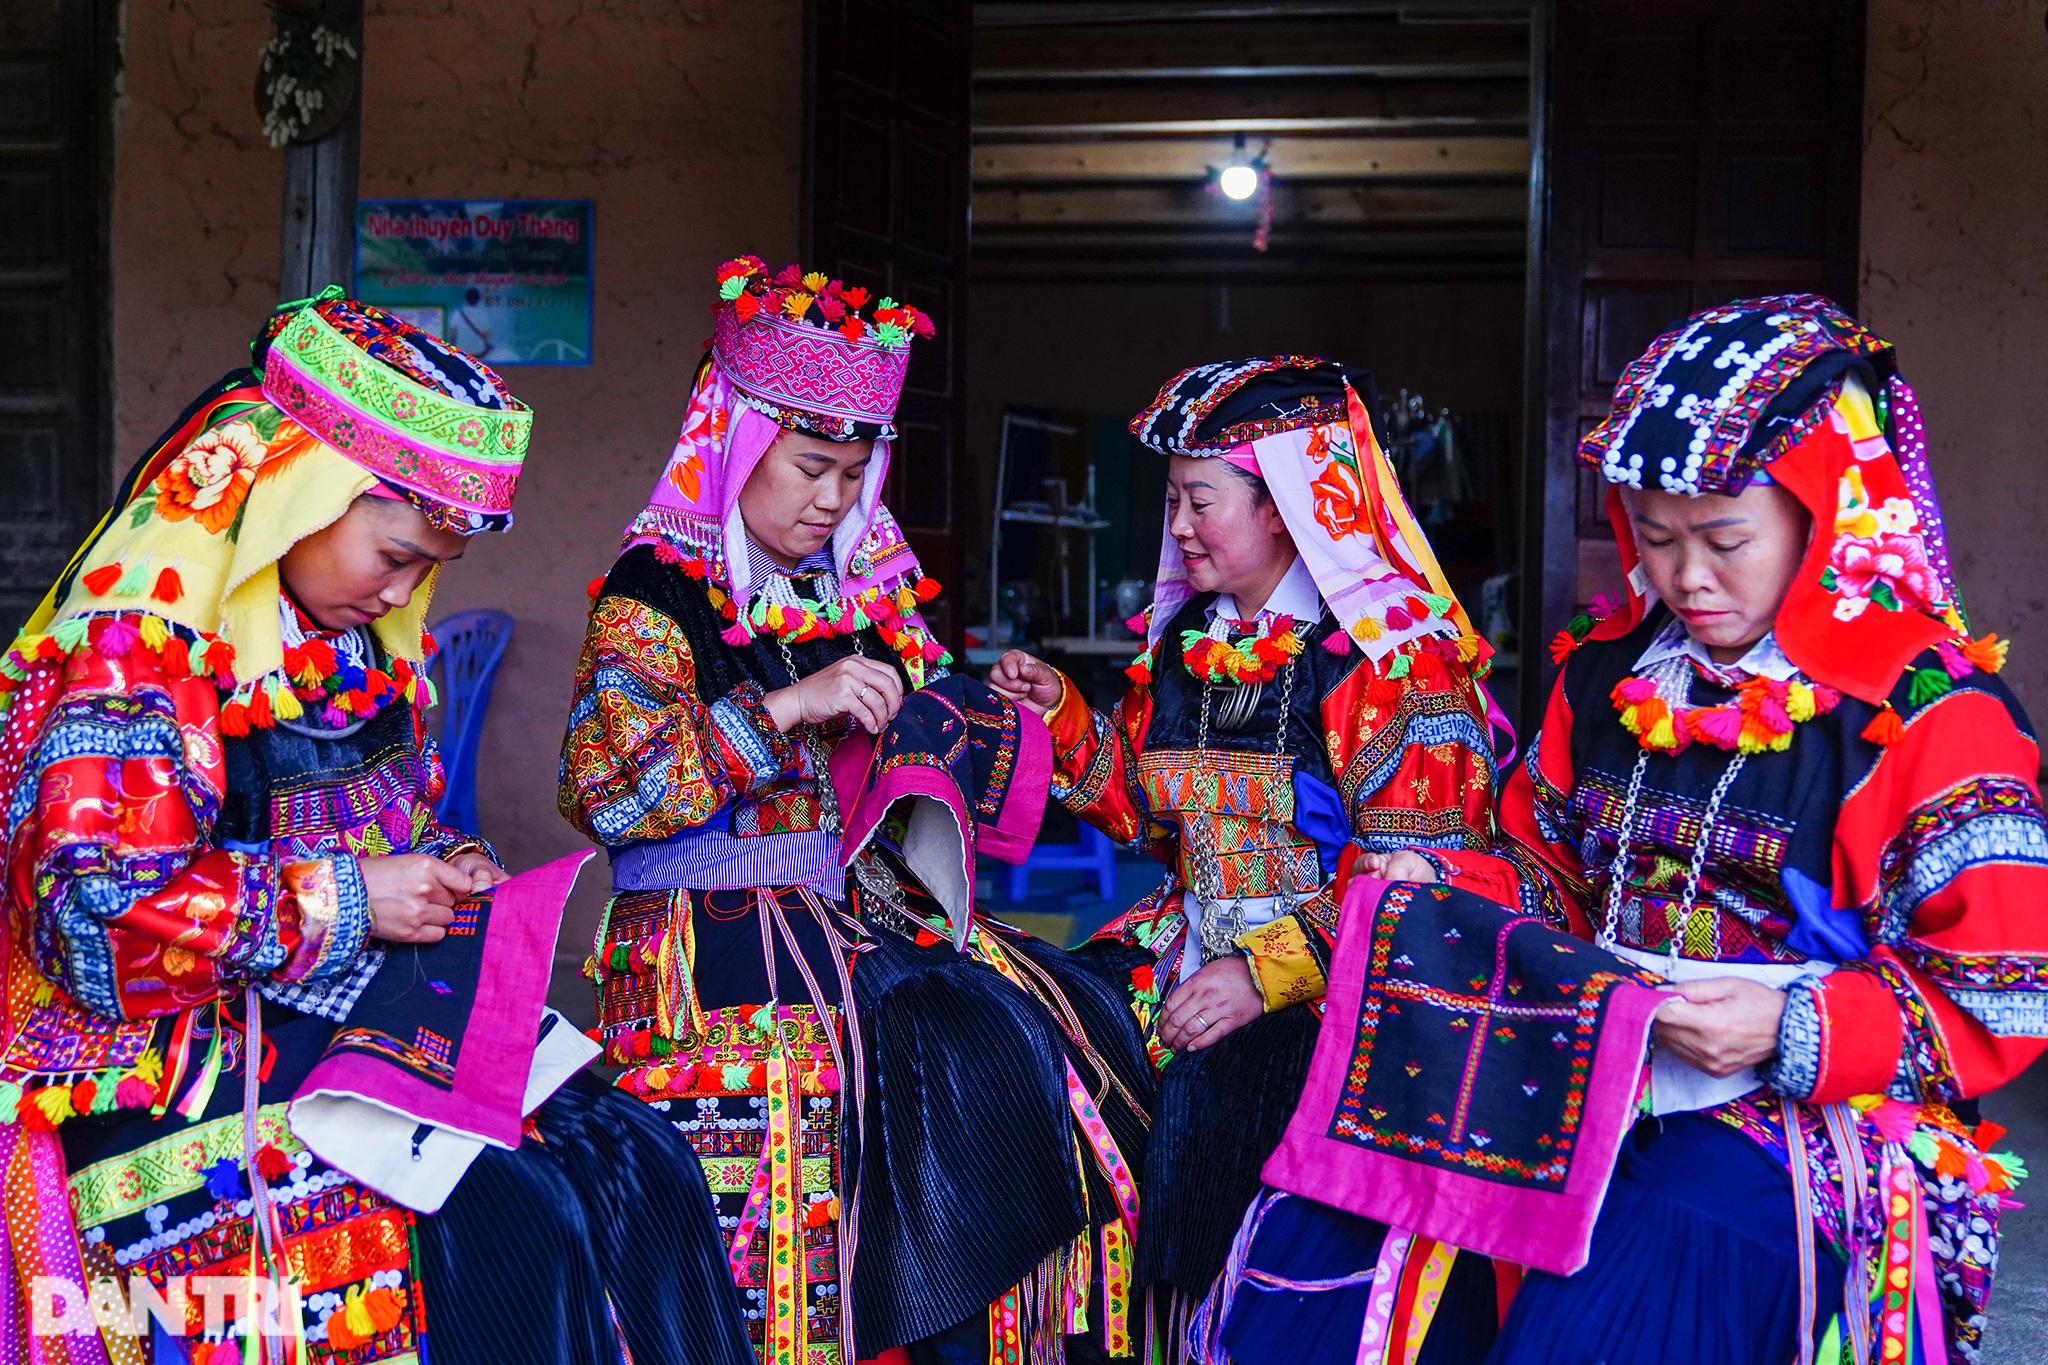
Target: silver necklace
x=1223, y=923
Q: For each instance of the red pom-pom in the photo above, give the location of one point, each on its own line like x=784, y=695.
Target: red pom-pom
x=596, y=585
x=271, y=1163
x=1885, y=727
x=259, y=709
x=83, y=1094
x=745, y=306
x=169, y=587
x=101, y=580
x=174, y=655
x=927, y=589
x=234, y=719
x=31, y=1116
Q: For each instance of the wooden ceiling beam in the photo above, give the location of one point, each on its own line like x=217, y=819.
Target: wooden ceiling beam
x=1001, y=110
x=1296, y=158
x=999, y=208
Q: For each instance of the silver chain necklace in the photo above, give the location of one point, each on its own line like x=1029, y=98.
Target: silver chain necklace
x=1223, y=923
x=1617, y=870
x=814, y=744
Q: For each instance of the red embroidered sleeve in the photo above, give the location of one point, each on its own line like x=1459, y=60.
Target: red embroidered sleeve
x=645, y=757
x=1942, y=851
x=1095, y=766
x=135, y=913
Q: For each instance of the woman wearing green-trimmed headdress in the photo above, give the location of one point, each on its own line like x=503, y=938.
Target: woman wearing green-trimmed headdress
x=219, y=823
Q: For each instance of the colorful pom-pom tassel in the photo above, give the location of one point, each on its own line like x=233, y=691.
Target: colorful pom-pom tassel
x=234, y=719
x=1885, y=727
x=169, y=586
x=132, y=579
x=102, y=579
x=1338, y=643
x=1928, y=683
x=736, y=634
x=594, y=587
x=1398, y=619
x=1400, y=666
x=175, y=656
x=1987, y=654
x=117, y=637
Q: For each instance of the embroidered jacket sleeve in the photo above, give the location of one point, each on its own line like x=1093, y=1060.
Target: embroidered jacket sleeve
x=131, y=909
x=1941, y=864
x=1095, y=767
x=1414, y=770
x=1534, y=863
x=646, y=757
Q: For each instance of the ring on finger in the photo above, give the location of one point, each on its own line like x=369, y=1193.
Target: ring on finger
x=1201, y=1024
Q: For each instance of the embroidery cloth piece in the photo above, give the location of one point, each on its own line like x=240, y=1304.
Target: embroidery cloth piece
x=443, y=1037
x=975, y=766
x=1474, y=1078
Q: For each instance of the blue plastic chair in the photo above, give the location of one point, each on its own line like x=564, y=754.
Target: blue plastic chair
x=1095, y=853
x=472, y=645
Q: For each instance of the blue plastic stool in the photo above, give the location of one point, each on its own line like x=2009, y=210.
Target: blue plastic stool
x=1095, y=853
x=472, y=645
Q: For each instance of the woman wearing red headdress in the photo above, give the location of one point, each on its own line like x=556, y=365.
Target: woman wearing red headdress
x=908, y=1143
x=1309, y=692
x=1784, y=777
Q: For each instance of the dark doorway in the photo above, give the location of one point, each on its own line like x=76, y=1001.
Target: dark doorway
x=1697, y=151
x=56, y=92
x=1389, y=232
x=886, y=195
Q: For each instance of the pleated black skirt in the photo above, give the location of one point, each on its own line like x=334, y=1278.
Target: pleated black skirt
x=601, y=1231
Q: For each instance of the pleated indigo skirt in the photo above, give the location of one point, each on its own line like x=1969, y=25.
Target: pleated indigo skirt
x=1695, y=1257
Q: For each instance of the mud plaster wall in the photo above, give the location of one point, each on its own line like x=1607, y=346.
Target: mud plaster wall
x=1955, y=271
x=681, y=121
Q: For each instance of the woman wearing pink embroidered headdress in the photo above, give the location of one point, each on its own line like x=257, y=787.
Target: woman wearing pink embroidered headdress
x=893, y=1130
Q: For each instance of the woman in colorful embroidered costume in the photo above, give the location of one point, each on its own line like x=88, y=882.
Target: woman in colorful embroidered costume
x=773, y=1002
x=1785, y=777
x=1308, y=691
x=220, y=804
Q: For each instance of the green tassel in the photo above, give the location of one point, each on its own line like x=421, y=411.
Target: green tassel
x=105, y=1091
x=1438, y=606
x=1928, y=683
x=1399, y=668
x=861, y=620
x=10, y=1101
x=1923, y=1147
x=661, y=1045
x=133, y=579
x=621, y=957
x=764, y=1018
x=759, y=615
x=70, y=634
x=733, y=1075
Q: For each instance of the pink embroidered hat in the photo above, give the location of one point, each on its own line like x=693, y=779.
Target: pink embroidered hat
x=796, y=347
x=794, y=351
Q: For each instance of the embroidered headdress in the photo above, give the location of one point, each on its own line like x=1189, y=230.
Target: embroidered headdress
x=1790, y=390
x=1299, y=423
x=796, y=352
x=186, y=560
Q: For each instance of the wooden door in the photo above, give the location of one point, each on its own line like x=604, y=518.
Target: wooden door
x=886, y=187
x=1695, y=151
x=56, y=59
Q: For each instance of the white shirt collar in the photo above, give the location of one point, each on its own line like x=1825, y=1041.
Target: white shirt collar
x=1295, y=596
x=1762, y=660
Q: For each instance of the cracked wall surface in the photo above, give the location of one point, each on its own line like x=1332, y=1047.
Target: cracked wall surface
x=681, y=121
x=1955, y=271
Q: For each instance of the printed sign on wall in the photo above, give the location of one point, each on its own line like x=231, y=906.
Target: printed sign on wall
x=507, y=280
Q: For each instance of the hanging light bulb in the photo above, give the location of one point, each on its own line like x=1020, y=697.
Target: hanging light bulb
x=1238, y=182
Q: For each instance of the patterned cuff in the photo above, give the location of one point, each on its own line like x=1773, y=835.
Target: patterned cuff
x=333, y=918
x=756, y=753
x=1283, y=967
x=1795, y=1071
